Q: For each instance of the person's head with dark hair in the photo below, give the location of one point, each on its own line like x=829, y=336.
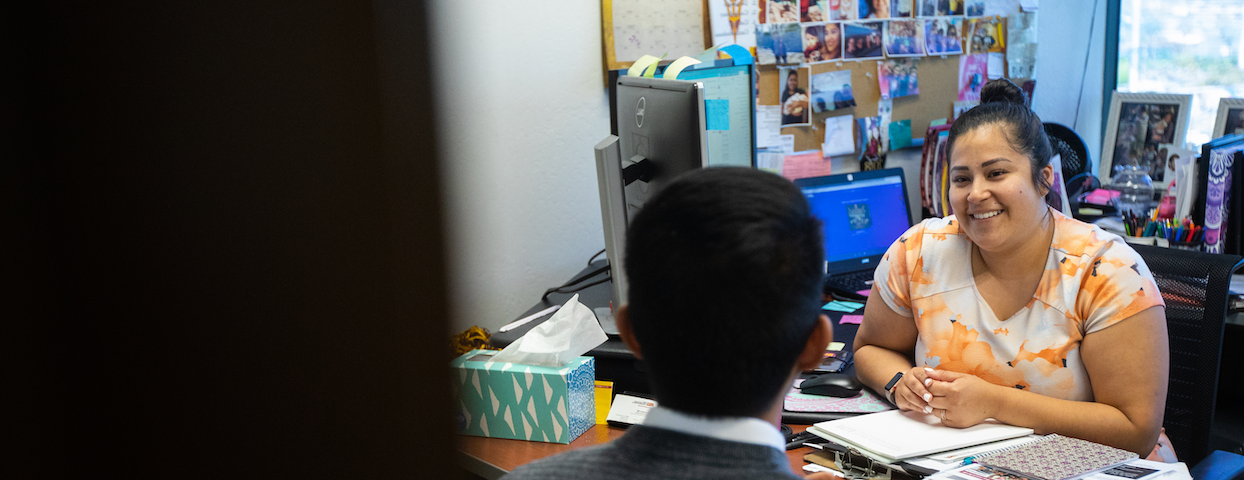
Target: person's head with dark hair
x=792, y=80
x=725, y=271
x=992, y=146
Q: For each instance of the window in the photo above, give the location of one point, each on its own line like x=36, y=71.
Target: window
x=1187, y=47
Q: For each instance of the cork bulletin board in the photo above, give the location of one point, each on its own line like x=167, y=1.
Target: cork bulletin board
x=939, y=89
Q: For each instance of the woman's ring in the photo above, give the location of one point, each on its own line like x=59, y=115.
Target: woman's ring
x=943, y=414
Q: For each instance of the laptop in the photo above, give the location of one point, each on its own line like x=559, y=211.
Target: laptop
x=863, y=213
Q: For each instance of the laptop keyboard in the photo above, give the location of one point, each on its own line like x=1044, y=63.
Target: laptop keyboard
x=851, y=282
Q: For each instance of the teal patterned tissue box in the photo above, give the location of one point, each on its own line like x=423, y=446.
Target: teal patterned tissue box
x=524, y=402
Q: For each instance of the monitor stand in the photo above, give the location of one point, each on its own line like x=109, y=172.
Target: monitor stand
x=607, y=323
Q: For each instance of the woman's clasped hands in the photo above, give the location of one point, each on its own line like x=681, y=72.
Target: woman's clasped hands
x=959, y=400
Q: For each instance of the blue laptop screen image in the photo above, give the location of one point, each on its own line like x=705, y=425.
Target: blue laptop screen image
x=861, y=218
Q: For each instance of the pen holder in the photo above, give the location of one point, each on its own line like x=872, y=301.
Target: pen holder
x=1152, y=241
x=1191, y=246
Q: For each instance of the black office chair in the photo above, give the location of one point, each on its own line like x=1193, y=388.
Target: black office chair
x=1074, y=152
x=1194, y=286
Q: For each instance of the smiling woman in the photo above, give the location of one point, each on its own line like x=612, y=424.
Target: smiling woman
x=1010, y=310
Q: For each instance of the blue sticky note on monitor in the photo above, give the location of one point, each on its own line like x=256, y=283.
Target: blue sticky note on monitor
x=717, y=114
x=740, y=55
x=900, y=134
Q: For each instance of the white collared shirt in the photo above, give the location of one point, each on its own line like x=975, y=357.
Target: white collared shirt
x=732, y=429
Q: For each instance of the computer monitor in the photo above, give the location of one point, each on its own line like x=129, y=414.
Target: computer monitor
x=729, y=106
x=730, y=96
x=660, y=135
x=862, y=214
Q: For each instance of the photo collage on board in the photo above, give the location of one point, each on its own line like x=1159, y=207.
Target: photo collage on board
x=795, y=35
x=801, y=32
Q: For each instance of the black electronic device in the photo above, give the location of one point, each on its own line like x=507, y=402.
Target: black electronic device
x=862, y=214
x=834, y=364
x=832, y=385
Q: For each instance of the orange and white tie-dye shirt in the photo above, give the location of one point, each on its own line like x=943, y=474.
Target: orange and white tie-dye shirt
x=1092, y=280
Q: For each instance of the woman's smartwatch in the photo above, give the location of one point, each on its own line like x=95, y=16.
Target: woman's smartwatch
x=889, y=387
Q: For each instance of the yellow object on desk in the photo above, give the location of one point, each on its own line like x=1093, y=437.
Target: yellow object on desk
x=604, y=397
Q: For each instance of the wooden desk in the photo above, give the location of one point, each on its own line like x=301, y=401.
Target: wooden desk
x=493, y=457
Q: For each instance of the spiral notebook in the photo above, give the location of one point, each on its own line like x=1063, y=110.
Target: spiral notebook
x=1056, y=457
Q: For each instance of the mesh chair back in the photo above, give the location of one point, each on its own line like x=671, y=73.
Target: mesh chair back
x=1072, y=148
x=1194, y=286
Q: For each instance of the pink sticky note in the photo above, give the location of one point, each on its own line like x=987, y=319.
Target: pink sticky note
x=864, y=292
x=855, y=319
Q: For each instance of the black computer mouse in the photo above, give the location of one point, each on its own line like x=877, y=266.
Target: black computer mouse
x=832, y=385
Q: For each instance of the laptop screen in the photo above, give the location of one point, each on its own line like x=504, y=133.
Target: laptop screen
x=862, y=216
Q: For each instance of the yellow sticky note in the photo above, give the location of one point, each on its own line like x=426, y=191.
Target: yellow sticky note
x=672, y=71
x=651, y=72
x=835, y=346
x=640, y=65
x=604, y=397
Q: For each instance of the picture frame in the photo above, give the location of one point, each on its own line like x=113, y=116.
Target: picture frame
x=1230, y=117
x=1139, y=128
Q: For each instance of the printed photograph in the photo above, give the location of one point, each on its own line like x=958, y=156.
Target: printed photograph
x=975, y=8
x=863, y=40
x=897, y=78
x=953, y=7
x=904, y=38
x=779, y=44
x=901, y=9
x=1235, y=122
x=973, y=70
x=870, y=136
x=812, y=11
x=794, y=96
x=874, y=9
x=831, y=91
x=943, y=36
x=928, y=8
x=783, y=11
x=843, y=10
x=831, y=41
x=814, y=43
x=988, y=35
x=1230, y=119
x=1145, y=132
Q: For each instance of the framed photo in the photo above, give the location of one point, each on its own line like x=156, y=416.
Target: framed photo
x=1230, y=117
x=1140, y=127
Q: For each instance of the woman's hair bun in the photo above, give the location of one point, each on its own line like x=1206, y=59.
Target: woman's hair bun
x=1002, y=90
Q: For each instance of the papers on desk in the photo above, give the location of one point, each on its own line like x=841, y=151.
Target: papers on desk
x=896, y=435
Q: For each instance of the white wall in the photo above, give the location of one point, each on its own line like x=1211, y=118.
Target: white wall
x=1063, y=28
x=522, y=101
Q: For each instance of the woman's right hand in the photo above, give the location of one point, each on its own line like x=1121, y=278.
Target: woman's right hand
x=912, y=392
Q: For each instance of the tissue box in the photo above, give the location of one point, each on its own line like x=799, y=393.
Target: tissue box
x=524, y=402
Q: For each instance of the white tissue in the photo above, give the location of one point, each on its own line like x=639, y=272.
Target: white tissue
x=571, y=332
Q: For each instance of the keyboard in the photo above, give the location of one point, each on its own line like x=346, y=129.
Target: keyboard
x=850, y=282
